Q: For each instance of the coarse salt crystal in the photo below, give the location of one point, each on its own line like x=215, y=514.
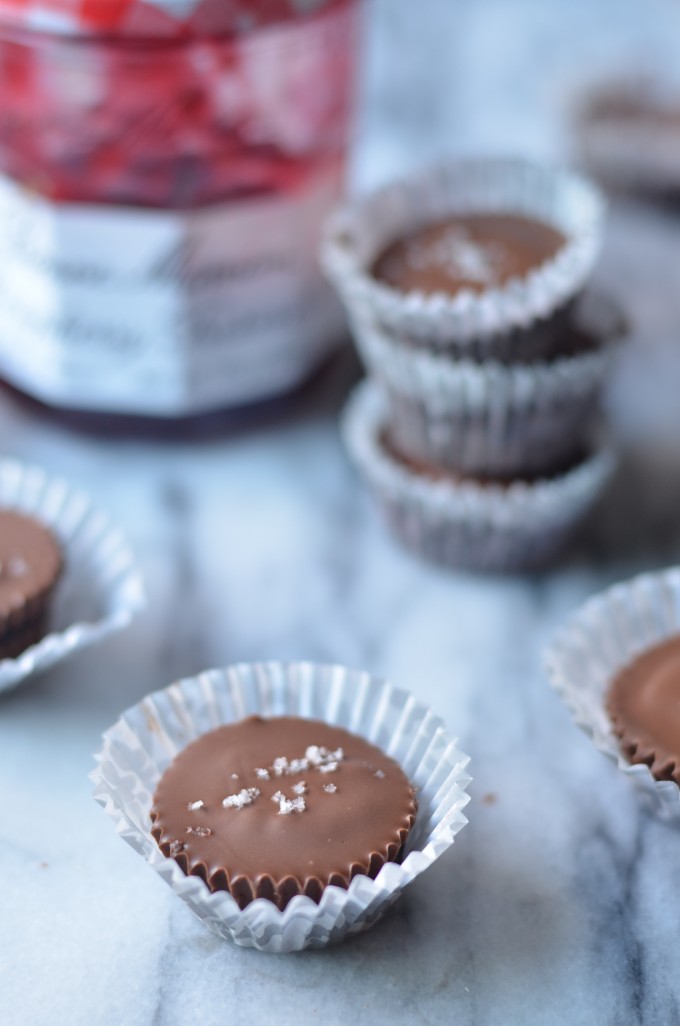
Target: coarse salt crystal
x=199, y=831
x=246, y=796
x=315, y=757
x=193, y=806
x=300, y=788
x=17, y=566
x=288, y=805
x=322, y=757
x=291, y=805
x=330, y=788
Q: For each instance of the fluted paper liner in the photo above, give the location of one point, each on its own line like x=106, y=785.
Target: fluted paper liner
x=605, y=635
x=100, y=589
x=493, y=418
x=361, y=230
x=464, y=523
x=139, y=747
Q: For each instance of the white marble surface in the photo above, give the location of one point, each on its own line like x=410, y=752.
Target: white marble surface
x=559, y=902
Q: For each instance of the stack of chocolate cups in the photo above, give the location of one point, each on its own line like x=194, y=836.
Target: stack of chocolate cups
x=464, y=288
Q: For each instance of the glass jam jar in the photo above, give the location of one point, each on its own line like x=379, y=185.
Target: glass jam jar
x=165, y=168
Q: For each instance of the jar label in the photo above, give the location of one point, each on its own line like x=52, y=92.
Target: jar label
x=166, y=313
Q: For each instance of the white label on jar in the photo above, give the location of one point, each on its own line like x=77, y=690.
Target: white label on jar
x=166, y=313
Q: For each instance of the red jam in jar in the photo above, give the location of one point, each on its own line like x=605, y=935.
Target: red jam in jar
x=164, y=171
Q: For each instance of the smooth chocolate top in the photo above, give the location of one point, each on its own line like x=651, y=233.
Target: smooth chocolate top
x=644, y=705
x=30, y=564
x=276, y=807
x=470, y=251
x=635, y=106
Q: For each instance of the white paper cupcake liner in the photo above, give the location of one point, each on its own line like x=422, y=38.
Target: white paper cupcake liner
x=598, y=641
x=466, y=524
x=139, y=747
x=472, y=322
x=492, y=418
x=100, y=589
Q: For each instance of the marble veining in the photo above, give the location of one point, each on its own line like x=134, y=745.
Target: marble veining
x=559, y=902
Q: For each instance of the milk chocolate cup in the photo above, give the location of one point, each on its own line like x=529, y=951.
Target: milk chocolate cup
x=464, y=523
x=598, y=641
x=100, y=589
x=31, y=563
x=495, y=419
x=321, y=805
x=517, y=321
x=626, y=134
x=140, y=746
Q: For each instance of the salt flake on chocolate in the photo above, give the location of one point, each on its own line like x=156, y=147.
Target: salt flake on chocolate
x=288, y=805
x=199, y=831
x=380, y=774
x=17, y=566
x=176, y=847
x=300, y=788
x=314, y=754
x=246, y=796
x=261, y=773
x=323, y=759
x=280, y=766
x=194, y=806
x=316, y=757
x=330, y=788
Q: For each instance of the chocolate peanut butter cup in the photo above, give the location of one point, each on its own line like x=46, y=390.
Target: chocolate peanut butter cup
x=30, y=566
x=68, y=577
x=627, y=132
x=474, y=258
x=317, y=794
x=616, y=664
x=644, y=705
x=496, y=419
x=273, y=808
x=464, y=522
